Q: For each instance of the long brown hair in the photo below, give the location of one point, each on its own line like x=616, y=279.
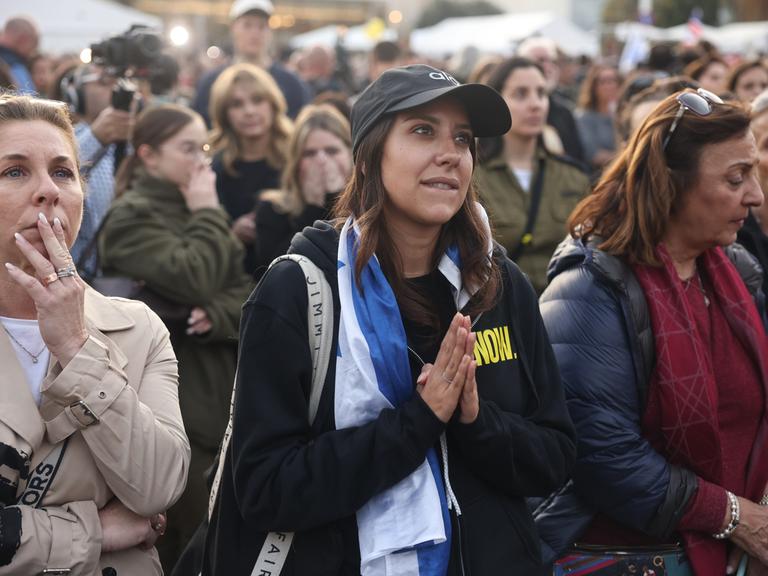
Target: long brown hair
x=631, y=205
x=364, y=198
x=588, y=93
x=738, y=72
x=223, y=137
x=153, y=126
x=312, y=117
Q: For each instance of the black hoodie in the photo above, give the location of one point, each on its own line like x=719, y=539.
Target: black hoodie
x=282, y=475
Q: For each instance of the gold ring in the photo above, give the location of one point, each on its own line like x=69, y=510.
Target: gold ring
x=50, y=279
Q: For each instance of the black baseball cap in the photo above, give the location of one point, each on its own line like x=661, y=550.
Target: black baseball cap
x=406, y=87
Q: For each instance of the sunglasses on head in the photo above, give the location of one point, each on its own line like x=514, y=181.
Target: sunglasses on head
x=699, y=102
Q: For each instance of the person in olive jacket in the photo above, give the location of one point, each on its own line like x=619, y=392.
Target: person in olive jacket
x=521, y=183
x=167, y=230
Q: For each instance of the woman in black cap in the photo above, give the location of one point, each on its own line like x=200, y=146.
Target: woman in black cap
x=442, y=406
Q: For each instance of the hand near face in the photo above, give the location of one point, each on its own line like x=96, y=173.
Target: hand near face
x=325, y=166
x=336, y=175
x=60, y=301
x=313, y=184
x=200, y=190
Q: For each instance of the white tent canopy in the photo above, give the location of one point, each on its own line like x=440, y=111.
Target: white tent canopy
x=354, y=39
x=743, y=37
x=71, y=25
x=500, y=33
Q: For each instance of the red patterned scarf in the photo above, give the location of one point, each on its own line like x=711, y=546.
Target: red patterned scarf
x=681, y=416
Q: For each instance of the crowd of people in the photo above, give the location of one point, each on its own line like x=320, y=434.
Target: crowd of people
x=544, y=308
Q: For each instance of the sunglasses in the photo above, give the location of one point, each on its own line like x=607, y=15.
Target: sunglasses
x=699, y=102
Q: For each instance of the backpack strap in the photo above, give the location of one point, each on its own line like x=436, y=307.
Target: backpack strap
x=320, y=329
x=319, y=323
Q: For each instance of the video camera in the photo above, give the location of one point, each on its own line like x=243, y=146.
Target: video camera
x=128, y=55
x=138, y=48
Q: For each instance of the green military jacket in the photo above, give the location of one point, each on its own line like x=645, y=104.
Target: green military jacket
x=564, y=185
x=191, y=258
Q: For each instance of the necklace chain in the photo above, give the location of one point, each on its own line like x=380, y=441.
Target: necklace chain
x=699, y=286
x=35, y=357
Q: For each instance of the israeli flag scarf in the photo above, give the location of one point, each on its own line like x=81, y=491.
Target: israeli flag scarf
x=405, y=530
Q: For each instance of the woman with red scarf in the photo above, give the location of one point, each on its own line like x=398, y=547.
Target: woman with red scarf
x=653, y=316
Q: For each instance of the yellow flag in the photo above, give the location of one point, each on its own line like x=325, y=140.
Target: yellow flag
x=374, y=28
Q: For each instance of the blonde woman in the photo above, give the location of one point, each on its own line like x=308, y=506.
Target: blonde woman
x=318, y=167
x=93, y=445
x=250, y=139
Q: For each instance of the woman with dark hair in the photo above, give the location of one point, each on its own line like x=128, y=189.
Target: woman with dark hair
x=748, y=80
x=711, y=72
x=167, y=230
x=528, y=191
x=317, y=169
x=250, y=142
x=442, y=406
x=595, y=114
x=652, y=312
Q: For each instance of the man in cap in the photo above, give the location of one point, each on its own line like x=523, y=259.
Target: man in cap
x=251, y=37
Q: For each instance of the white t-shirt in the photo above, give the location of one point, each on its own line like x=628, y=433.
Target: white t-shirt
x=524, y=177
x=27, y=332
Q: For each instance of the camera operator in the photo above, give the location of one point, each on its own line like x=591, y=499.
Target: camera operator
x=99, y=128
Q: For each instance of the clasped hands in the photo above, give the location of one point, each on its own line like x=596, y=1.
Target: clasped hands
x=450, y=382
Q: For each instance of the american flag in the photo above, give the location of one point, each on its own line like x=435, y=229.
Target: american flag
x=695, y=27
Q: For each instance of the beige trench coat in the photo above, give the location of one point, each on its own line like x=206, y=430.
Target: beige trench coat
x=138, y=452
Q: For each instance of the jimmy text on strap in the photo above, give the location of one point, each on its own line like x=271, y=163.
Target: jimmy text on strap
x=275, y=549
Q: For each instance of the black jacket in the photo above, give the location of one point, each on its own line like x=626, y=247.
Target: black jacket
x=282, y=475
x=275, y=229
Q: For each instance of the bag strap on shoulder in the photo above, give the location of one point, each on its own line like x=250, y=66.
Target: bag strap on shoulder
x=319, y=325
x=320, y=337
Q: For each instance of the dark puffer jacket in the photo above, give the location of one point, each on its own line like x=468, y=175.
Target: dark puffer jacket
x=599, y=326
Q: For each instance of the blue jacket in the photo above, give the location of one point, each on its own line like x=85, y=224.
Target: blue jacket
x=599, y=326
x=22, y=77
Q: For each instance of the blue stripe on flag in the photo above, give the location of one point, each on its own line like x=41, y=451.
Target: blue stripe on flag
x=434, y=558
x=453, y=254
x=379, y=319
